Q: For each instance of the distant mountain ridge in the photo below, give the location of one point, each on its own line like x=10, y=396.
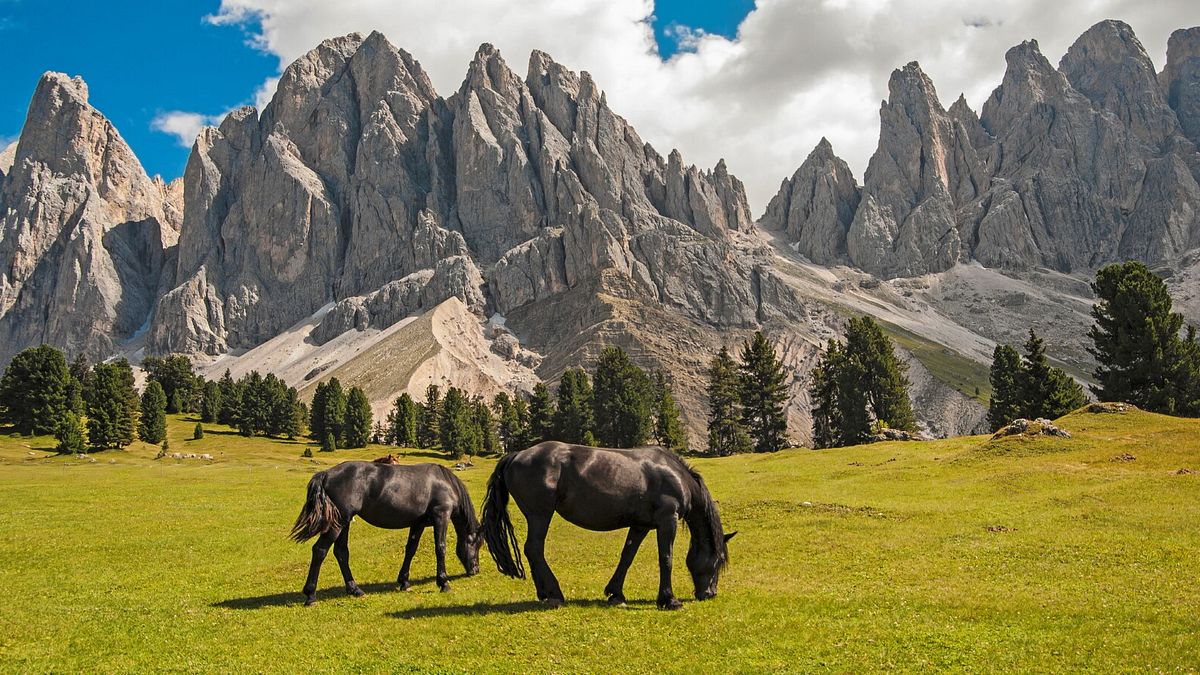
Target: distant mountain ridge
x=360, y=197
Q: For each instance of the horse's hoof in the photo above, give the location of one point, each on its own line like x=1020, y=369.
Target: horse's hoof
x=671, y=604
x=355, y=591
x=310, y=601
x=617, y=600
x=555, y=603
x=445, y=588
x=404, y=585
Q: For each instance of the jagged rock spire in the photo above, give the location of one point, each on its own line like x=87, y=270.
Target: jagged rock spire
x=816, y=206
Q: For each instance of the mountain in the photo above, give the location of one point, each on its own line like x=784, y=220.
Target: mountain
x=364, y=226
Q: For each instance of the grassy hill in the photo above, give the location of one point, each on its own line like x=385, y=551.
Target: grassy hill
x=964, y=554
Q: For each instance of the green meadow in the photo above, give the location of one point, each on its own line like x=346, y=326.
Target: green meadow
x=964, y=554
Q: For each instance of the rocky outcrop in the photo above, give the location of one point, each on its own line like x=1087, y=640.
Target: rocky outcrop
x=816, y=206
x=1066, y=169
x=1180, y=80
x=86, y=234
x=358, y=175
x=921, y=182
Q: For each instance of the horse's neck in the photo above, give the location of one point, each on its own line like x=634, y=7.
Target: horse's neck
x=462, y=521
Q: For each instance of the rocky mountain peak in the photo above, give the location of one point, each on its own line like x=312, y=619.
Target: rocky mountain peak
x=816, y=206
x=1109, y=66
x=1180, y=80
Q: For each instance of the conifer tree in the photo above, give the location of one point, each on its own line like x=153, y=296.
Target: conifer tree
x=763, y=390
x=152, y=427
x=623, y=401
x=80, y=372
x=485, y=424
x=402, y=422
x=198, y=432
x=356, y=430
x=334, y=418
x=668, y=429
x=230, y=400
x=573, y=414
x=1141, y=356
x=34, y=391
x=178, y=380
x=459, y=435
x=726, y=435
x=541, y=415
x=1005, y=378
x=316, y=413
x=429, y=418
x=522, y=435
x=1046, y=391
x=112, y=405
x=69, y=434
x=210, y=402
x=824, y=394
x=884, y=380
x=291, y=415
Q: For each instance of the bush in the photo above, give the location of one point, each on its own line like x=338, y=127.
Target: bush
x=198, y=432
x=307, y=452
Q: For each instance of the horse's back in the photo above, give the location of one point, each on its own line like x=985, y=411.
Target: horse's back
x=595, y=488
x=392, y=495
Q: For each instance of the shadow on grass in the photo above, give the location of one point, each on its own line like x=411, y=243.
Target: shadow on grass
x=485, y=608
x=297, y=598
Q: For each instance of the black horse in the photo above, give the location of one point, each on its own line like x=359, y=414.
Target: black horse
x=603, y=489
x=389, y=496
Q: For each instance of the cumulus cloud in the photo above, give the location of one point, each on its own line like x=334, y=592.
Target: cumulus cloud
x=797, y=70
x=184, y=126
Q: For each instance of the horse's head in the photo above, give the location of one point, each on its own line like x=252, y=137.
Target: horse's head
x=705, y=561
x=468, y=550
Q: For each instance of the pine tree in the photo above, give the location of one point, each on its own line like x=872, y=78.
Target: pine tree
x=1045, y=391
x=112, y=405
x=668, y=429
x=179, y=382
x=289, y=415
x=69, y=434
x=210, y=402
x=726, y=435
x=459, y=435
x=152, y=427
x=230, y=400
x=622, y=396
x=34, y=391
x=522, y=431
x=256, y=406
x=356, y=431
x=573, y=414
x=824, y=393
x=763, y=390
x=1140, y=354
x=402, y=422
x=316, y=413
x=485, y=425
x=541, y=415
x=198, y=432
x=885, y=383
x=80, y=372
x=429, y=418
x=513, y=432
x=1006, y=404
x=328, y=442
x=334, y=417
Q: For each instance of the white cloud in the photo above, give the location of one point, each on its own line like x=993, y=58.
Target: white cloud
x=797, y=70
x=184, y=126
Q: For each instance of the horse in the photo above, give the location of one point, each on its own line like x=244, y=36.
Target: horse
x=388, y=496
x=604, y=489
x=386, y=459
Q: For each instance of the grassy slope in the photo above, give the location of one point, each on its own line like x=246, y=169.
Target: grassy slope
x=133, y=564
x=947, y=365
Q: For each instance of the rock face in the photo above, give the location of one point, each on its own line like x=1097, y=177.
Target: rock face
x=1066, y=169
x=86, y=234
x=358, y=182
x=816, y=206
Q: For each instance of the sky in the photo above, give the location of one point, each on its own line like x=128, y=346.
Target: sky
x=757, y=83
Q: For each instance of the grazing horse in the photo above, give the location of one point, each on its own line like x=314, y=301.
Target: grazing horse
x=604, y=489
x=386, y=459
x=389, y=496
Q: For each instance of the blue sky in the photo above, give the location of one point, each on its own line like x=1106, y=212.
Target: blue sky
x=141, y=59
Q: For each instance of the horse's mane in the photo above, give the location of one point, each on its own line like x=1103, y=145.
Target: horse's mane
x=464, y=499
x=708, y=508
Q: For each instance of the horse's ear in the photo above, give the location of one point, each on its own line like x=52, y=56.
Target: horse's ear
x=730, y=535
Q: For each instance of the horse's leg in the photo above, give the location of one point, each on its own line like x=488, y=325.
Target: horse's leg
x=341, y=551
x=440, y=523
x=320, y=549
x=410, y=549
x=666, y=542
x=535, y=552
x=615, y=590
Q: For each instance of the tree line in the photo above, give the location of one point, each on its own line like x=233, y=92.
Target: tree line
x=618, y=405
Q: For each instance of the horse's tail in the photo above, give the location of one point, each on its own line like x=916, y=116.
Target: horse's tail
x=497, y=528
x=319, y=514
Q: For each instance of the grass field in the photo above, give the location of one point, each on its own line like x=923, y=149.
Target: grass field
x=1044, y=555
